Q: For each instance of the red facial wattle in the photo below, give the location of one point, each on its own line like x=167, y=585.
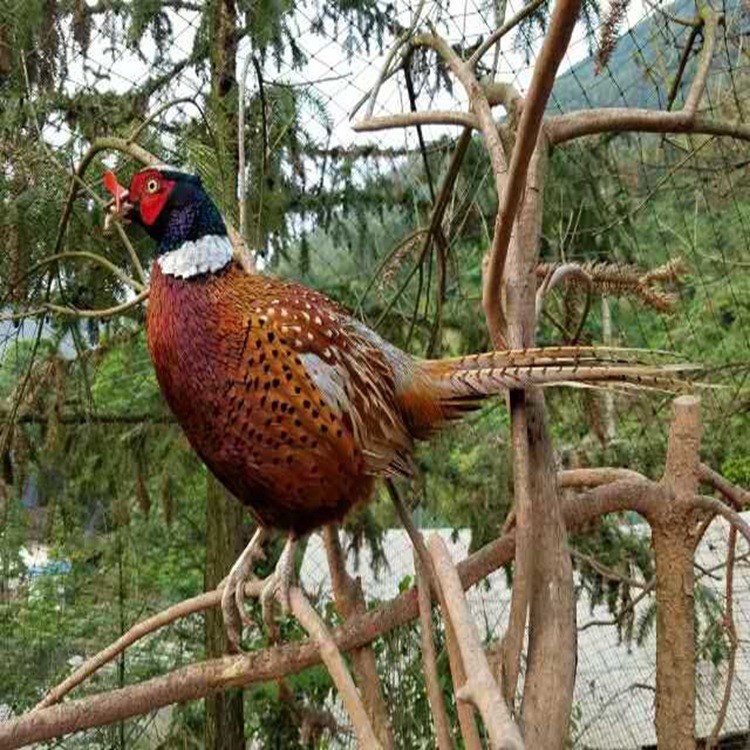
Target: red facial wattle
x=150, y=206
x=149, y=191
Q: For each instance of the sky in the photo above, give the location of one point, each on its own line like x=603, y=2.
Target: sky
x=337, y=77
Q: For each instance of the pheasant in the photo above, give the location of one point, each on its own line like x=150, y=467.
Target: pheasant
x=296, y=406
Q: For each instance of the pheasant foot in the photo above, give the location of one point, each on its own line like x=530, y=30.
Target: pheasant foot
x=277, y=586
x=233, y=594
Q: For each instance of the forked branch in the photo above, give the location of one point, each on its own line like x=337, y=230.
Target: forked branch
x=197, y=680
x=334, y=661
x=480, y=687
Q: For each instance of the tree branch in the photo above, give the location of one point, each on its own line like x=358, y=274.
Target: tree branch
x=555, y=44
x=731, y=631
x=197, y=680
x=429, y=660
x=74, y=312
x=480, y=687
x=739, y=497
x=350, y=601
x=331, y=657
x=500, y=32
x=411, y=119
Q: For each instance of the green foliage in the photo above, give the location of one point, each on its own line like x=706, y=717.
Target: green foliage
x=123, y=502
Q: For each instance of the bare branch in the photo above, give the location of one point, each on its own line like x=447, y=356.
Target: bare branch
x=331, y=656
x=350, y=601
x=499, y=33
x=465, y=711
x=684, y=58
x=137, y=632
x=596, y=477
x=96, y=258
x=712, y=505
x=731, y=631
x=698, y=86
x=480, y=687
x=74, y=312
x=553, y=49
x=385, y=70
x=429, y=659
x=562, y=128
x=605, y=571
x=739, y=497
x=671, y=17
x=410, y=119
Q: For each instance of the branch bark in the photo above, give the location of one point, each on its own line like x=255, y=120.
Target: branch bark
x=429, y=660
x=334, y=661
x=553, y=49
x=674, y=540
x=224, y=714
x=350, y=601
x=198, y=680
x=480, y=687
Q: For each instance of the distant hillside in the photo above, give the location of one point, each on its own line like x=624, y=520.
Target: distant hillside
x=643, y=64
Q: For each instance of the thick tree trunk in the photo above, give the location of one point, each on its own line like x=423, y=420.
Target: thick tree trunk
x=551, y=659
x=224, y=540
x=674, y=540
x=224, y=515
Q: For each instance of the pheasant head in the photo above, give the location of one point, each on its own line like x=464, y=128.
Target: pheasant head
x=175, y=210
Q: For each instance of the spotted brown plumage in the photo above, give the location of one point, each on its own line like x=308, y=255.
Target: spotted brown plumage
x=283, y=398
x=296, y=406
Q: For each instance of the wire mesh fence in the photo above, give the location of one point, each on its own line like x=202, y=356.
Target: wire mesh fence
x=660, y=222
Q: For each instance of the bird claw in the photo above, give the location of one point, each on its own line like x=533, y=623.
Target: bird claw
x=275, y=587
x=233, y=594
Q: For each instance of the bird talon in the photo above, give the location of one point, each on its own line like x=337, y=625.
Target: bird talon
x=239, y=600
x=233, y=594
x=267, y=599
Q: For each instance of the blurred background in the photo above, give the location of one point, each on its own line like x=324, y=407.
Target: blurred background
x=106, y=516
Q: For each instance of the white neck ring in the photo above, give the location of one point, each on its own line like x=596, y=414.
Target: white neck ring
x=207, y=254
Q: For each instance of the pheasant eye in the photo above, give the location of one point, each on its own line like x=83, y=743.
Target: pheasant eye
x=152, y=185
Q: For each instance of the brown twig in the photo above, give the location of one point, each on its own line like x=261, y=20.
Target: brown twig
x=607, y=572
x=686, y=50
x=136, y=633
x=429, y=659
x=739, y=497
x=480, y=687
x=731, y=631
x=94, y=257
x=74, y=312
x=566, y=270
x=334, y=661
x=711, y=21
x=712, y=505
x=629, y=607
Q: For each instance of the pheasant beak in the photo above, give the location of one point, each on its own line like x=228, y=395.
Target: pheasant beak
x=119, y=207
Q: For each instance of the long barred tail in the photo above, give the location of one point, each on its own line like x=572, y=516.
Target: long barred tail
x=479, y=375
